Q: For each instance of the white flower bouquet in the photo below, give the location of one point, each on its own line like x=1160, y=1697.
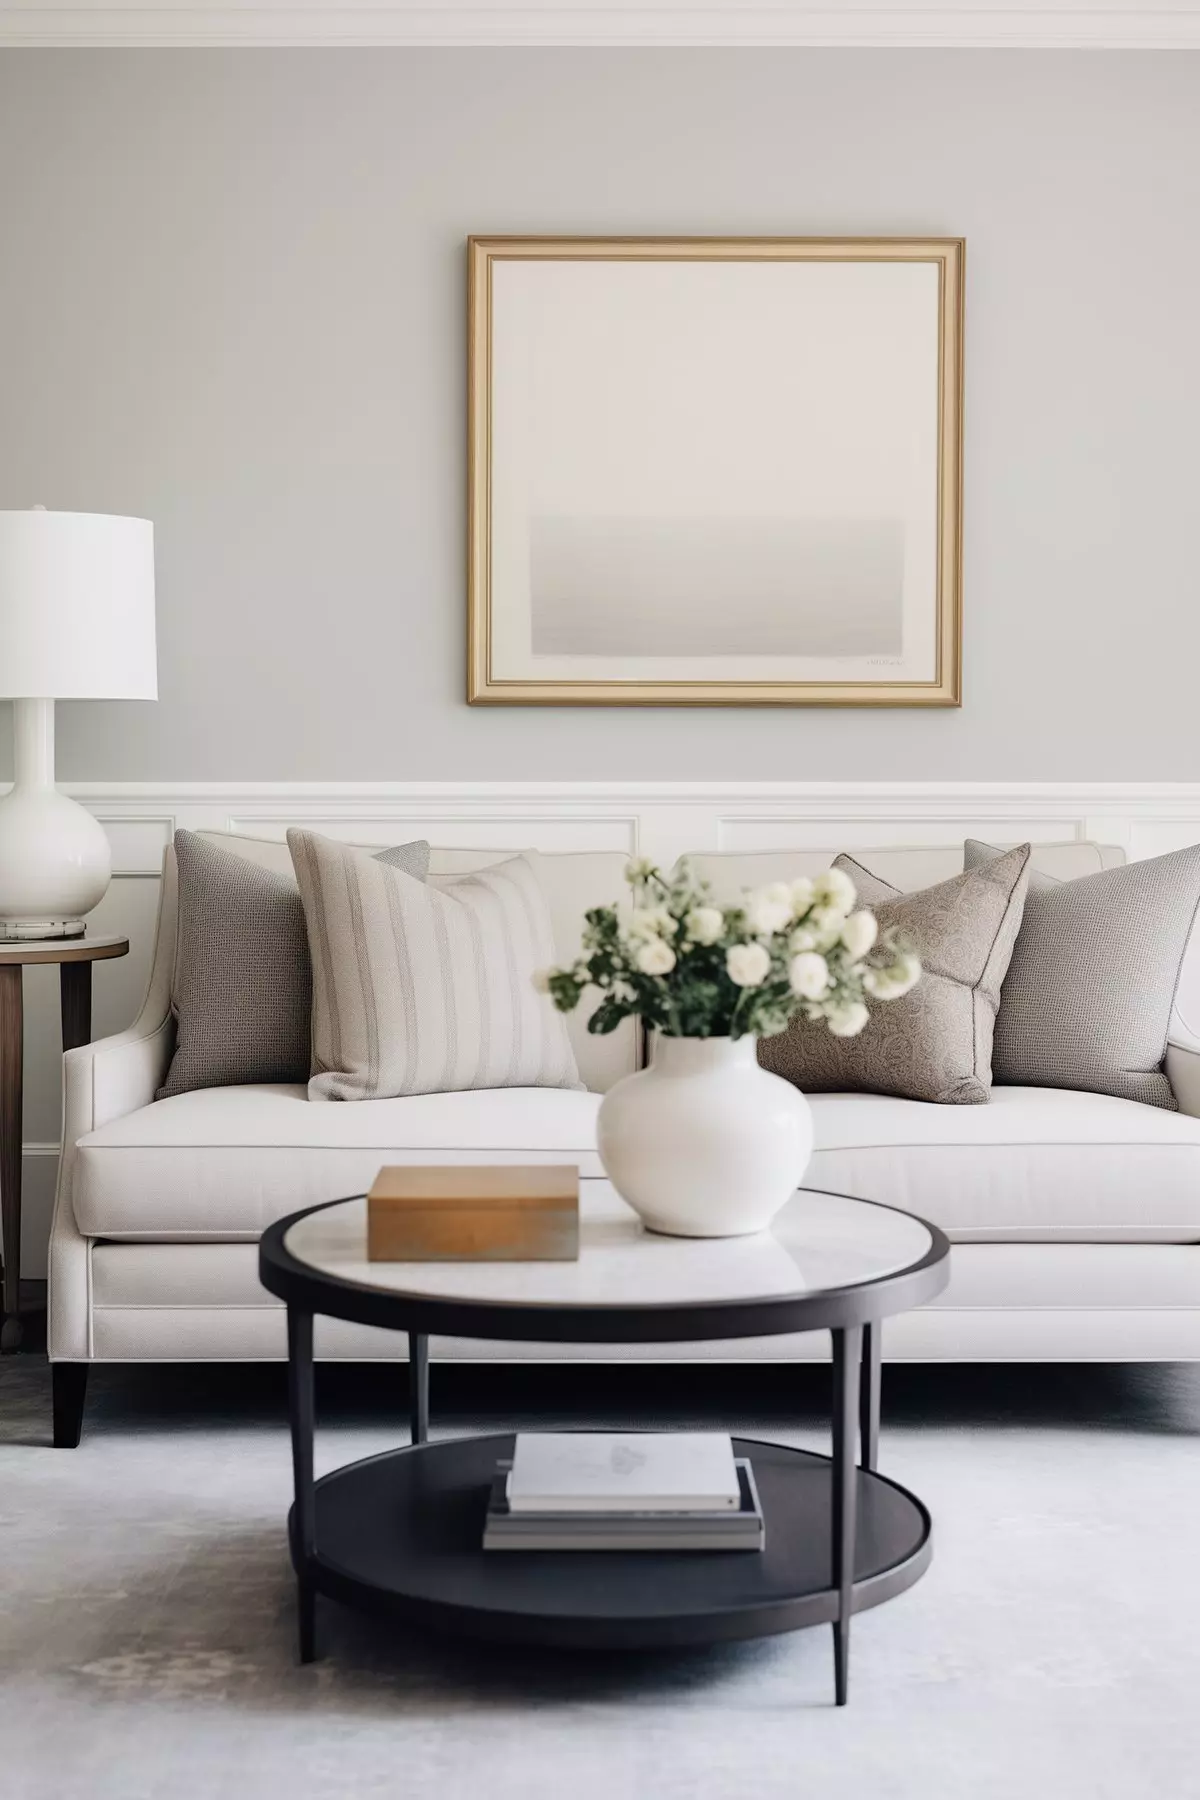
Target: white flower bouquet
x=691, y=968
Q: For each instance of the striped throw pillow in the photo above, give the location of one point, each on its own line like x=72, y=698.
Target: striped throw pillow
x=426, y=987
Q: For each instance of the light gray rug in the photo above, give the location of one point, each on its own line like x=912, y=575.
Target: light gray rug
x=147, y=1632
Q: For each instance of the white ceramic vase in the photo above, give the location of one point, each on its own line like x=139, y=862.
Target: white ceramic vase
x=705, y=1143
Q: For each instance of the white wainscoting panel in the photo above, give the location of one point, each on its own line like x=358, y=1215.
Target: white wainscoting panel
x=468, y=830
x=137, y=843
x=786, y=832
x=656, y=819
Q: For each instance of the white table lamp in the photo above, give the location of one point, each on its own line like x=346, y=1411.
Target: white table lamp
x=76, y=623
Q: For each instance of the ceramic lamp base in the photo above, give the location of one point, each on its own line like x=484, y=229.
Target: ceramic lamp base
x=24, y=931
x=55, y=863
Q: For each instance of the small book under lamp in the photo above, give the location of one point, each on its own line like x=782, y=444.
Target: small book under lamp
x=76, y=623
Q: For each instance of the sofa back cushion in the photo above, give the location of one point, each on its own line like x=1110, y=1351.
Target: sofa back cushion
x=901, y=867
x=571, y=882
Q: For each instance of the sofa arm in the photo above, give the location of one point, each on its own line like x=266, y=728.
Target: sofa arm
x=117, y=1075
x=114, y=1076
x=101, y=1081
x=1183, y=1073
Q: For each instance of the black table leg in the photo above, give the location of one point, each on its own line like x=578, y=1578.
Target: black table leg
x=872, y=1382
x=75, y=1003
x=304, y=1535
x=418, y=1385
x=847, y=1355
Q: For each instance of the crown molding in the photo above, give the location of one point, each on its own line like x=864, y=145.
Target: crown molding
x=955, y=24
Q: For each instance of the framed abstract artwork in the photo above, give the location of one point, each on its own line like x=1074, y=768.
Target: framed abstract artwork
x=715, y=472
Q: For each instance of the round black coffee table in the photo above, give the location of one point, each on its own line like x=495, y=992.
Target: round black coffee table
x=401, y=1534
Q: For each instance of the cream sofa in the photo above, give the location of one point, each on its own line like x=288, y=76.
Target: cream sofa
x=1075, y=1218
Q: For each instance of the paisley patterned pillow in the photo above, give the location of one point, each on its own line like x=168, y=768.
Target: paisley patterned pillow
x=936, y=1042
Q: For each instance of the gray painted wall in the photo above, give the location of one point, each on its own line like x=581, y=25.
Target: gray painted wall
x=231, y=299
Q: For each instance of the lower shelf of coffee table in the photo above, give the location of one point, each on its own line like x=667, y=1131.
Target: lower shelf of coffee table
x=401, y=1534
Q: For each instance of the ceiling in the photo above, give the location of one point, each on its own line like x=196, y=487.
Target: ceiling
x=1061, y=24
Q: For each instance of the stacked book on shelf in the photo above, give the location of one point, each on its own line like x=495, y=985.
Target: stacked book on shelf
x=580, y=1490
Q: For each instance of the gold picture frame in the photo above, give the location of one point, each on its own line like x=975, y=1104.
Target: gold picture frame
x=890, y=370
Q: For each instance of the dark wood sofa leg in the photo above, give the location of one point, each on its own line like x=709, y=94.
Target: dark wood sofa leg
x=69, y=1380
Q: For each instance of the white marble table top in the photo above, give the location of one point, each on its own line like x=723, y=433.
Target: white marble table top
x=818, y=1242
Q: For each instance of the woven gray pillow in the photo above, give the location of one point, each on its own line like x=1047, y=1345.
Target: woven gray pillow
x=935, y=1042
x=1087, y=999
x=241, y=991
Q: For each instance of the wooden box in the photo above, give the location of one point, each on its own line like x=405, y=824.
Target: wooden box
x=509, y=1213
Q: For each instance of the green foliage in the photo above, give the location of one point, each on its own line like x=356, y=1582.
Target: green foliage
x=689, y=968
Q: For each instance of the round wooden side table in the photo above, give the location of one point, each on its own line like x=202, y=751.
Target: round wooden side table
x=74, y=957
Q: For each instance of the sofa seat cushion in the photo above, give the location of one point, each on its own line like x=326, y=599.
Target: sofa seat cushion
x=1035, y=1165
x=220, y=1164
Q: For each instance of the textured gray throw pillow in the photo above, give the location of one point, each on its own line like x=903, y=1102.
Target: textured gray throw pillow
x=1088, y=995
x=426, y=987
x=242, y=985
x=935, y=1042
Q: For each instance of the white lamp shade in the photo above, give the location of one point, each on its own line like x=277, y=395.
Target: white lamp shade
x=76, y=607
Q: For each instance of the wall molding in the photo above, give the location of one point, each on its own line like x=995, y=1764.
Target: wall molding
x=659, y=819
x=149, y=794
x=722, y=23
x=146, y=799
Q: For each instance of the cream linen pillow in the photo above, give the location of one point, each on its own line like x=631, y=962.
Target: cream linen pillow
x=426, y=987
x=935, y=1043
